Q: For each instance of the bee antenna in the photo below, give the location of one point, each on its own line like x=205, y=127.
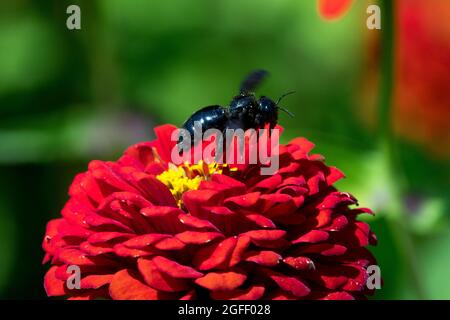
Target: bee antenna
x=283, y=109
x=284, y=95
x=287, y=111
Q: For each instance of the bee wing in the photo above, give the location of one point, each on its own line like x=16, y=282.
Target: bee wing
x=253, y=80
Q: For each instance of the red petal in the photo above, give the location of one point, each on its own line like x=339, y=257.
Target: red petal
x=116, y=201
x=84, y=186
x=287, y=283
x=164, y=219
x=356, y=235
x=246, y=200
x=175, y=269
x=145, y=240
x=53, y=286
x=258, y=219
x=48, y=244
x=75, y=210
x=343, y=277
x=334, y=199
x=191, y=295
x=96, y=220
x=326, y=249
x=267, y=238
x=280, y=295
x=194, y=237
x=219, y=211
x=163, y=142
x=304, y=145
x=100, y=237
x=300, y=263
x=357, y=278
x=123, y=251
x=156, y=191
x=216, y=255
x=331, y=277
x=218, y=281
x=264, y=258
x=334, y=175
x=228, y=181
x=252, y=293
x=95, y=250
x=79, y=258
x=108, y=179
x=226, y=185
x=196, y=200
x=157, y=279
x=242, y=244
x=362, y=210
x=362, y=233
x=170, y=244
x=290, y=168
x=322, y=219
x=139, y=155
x=339, y=296
x=314, y=182
x=269, y=183
x=312, y=237
x=125, y=285
x=337, y=223
x=93, y=294
x=66, y=229
x=266, y=235
x=95, y=281
x=332, y=282
x=194, y=222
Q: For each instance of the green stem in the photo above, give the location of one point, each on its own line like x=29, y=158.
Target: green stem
x=397, y=216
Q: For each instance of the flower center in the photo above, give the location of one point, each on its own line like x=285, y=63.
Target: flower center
x=186, y=177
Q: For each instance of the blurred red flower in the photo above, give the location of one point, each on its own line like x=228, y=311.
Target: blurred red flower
x=422, y=70
x=333, y=9
x=422, y=95
x=142, y=228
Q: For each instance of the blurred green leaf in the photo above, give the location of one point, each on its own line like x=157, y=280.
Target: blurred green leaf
x=430, y=217
x=28, y=53
x=435, y=263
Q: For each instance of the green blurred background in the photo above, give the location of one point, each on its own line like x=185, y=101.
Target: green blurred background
x=69, y=96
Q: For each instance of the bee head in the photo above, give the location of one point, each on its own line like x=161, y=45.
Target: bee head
x=267, y=106
x=268, y=111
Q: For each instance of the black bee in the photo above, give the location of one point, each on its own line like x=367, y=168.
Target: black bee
x=244, y=112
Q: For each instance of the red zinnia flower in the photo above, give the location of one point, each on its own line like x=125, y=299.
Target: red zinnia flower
x=142, y=228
